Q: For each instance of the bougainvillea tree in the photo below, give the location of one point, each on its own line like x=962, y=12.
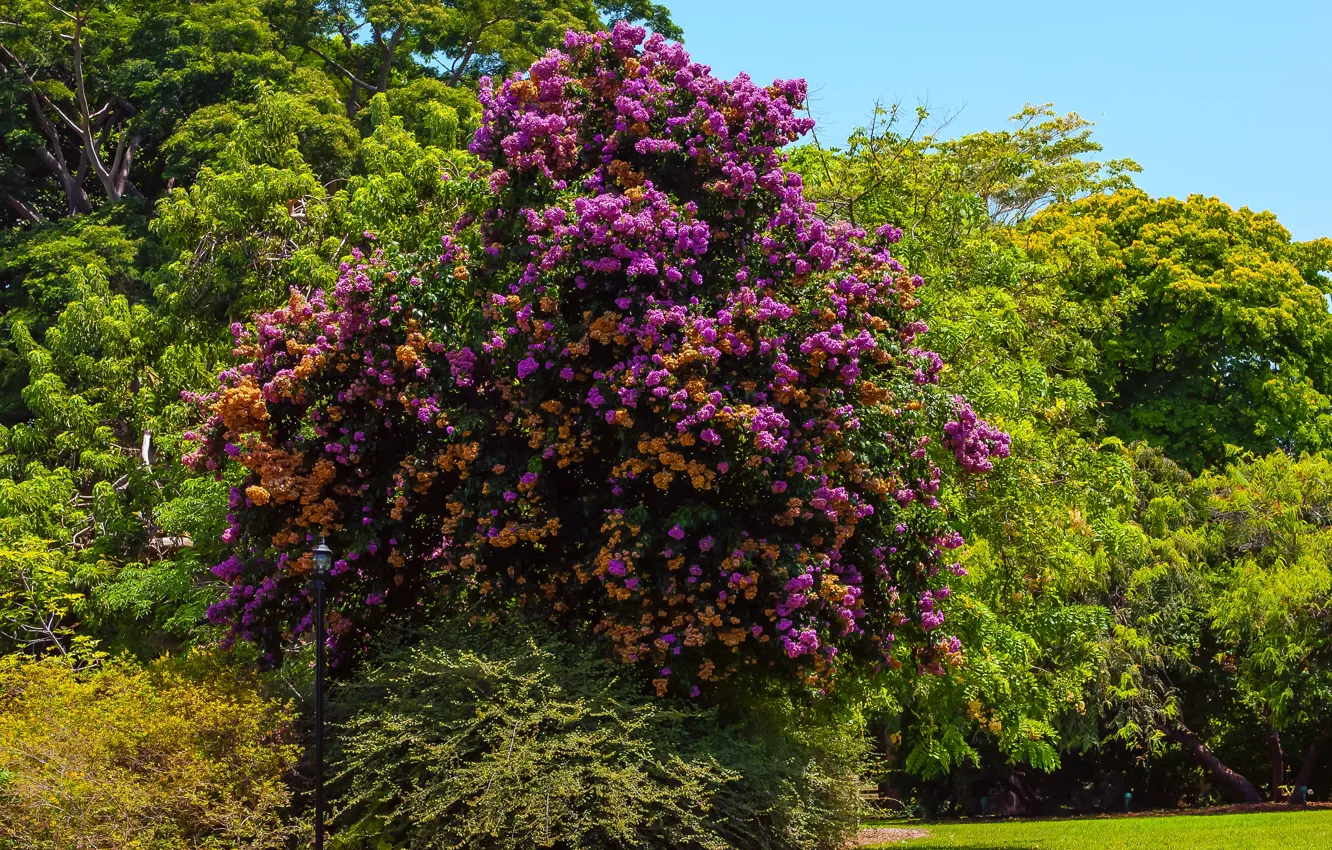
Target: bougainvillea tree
x=644, y=393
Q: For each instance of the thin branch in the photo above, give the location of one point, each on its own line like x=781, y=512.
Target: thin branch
x=36, y=90
x=74, y=193
x=355, y=79
x=47, y=627
x=461, y=67
x=108, y=122
x=56, y=8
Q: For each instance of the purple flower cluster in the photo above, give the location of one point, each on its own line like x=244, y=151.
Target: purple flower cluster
x=974, y=441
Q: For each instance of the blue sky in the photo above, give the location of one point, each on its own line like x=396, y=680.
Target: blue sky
x=1218, y=98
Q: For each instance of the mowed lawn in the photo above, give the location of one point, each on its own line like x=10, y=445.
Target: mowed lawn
x=1306, y=830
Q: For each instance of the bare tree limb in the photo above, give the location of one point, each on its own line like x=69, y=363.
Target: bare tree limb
x=74, y=193
x=85, y=112
x=92, y=127
x=357, y=81
x=21, y=208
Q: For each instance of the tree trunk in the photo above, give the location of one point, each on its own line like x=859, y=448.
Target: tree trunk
x=1311, y=754
x=1278, y=759
x=85, y=116
x=357, y=84
x=460, y=67
x=386, y=59
x=353, y=105
x=1235, y=787
x=74, y=193
x=1024, y=797
x=120, y=172
x=53, y=157
x=888, y=793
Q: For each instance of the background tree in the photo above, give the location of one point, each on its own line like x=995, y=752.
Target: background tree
x=1164, y=681
x=1225, y=338
x=1015, y=343
x=1092, y=582
x=94, y=89
x=365, y=42
x=1268, y=533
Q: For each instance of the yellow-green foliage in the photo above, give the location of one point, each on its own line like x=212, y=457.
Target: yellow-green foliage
x=182, y=753
x=1225, y=329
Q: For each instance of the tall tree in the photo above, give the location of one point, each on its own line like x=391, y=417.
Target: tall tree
x=368, y=42
x=592, y=407
x=1226, y=337
x=93, y=88
x=1015, y=344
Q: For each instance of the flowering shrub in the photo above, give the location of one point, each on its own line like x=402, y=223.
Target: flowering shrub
x=665, y=402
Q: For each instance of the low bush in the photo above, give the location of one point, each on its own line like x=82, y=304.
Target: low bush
x=181, y=753
x=507, y=737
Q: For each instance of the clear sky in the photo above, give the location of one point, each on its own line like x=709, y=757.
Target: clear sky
x=1219, y=98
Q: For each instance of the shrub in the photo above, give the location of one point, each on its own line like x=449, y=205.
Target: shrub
x=182, y=753
x=800, y=769
x=509, y=737
x=650, y=395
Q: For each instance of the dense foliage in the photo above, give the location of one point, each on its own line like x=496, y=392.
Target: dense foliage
x=182, y=753
x=1041, y=528
x=1067, y=564
x=1225, y=334
x=507, y=736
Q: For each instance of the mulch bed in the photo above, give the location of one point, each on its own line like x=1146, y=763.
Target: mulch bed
x=1231, y=809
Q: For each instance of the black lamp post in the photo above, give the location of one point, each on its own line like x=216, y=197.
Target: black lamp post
x=323, y=561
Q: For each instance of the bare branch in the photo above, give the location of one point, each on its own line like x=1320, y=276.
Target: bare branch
x=36, y=90
x=78, y=199
x=56, y=8
x=21, y=208
x=348, y=74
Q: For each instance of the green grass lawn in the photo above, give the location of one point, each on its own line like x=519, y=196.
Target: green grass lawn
x=1307, y=830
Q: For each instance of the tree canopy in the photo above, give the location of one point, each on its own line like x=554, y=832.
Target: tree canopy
x=1225, y=327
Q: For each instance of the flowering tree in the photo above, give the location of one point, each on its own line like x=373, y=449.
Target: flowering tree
x=644, y=392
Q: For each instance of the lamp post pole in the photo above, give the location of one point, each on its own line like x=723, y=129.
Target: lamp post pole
x=323, y=560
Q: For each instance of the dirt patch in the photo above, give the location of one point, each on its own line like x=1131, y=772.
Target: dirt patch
x=886, y=835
